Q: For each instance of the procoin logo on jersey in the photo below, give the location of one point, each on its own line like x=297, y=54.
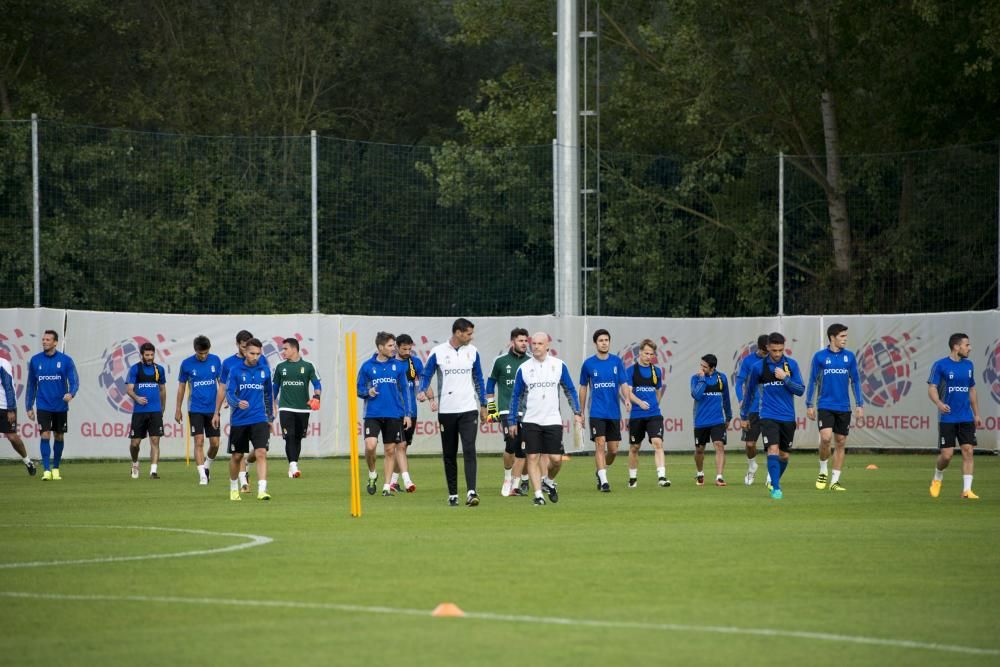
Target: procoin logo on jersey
x=960, y=390
x=834, y=371
x=604, y=385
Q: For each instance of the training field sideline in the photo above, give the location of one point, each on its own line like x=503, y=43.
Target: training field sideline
x=99, y=569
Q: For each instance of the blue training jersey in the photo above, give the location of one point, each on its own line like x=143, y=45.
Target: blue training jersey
x=231, y=362
x=414, y=368
x=645, y=387
x=203, y=376
x=389, y=378
x=148, y=386
x=744, y=375
x=253, y=385
x=776, y=398
x=50, y=377
x=954, y=379
x=605, y=378
x=711, y=400
x=831, y=375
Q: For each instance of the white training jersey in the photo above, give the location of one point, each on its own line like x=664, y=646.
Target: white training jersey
x=460, y=386
x=536, y=391
x=7, y=376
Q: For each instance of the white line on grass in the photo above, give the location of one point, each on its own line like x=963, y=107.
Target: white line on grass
x=510, y=618
x=254, y=541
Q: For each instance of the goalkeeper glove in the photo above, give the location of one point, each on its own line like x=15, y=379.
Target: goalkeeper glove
x=314, y=402
x=492, y=414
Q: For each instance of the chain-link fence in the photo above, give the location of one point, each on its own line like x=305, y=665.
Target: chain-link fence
x=132, y=221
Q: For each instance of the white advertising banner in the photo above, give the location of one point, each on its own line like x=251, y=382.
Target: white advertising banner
x=895, y=354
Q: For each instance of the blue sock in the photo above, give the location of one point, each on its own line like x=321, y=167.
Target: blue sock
x=46, y=450
x=59, y=451
x=783, y=463
x=774, y=469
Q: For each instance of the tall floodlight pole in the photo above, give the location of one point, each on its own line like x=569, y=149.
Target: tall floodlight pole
x=35, y=214
x=567, y=176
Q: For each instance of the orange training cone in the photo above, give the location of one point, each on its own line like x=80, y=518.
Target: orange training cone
x=871, y=466
x=447, y=609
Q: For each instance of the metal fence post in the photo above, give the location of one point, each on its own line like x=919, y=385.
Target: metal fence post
x=315, y=224
x=781, y=234
x=35, y=208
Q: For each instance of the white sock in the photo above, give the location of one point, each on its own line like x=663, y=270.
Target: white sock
x=524, y=478
x=538, y=494
x=661, y=471
x=938, y=475
x=152, y=468
x=243, y=478
x=603, y=476
x=208, y=462
x=507, y=475
x=261, y=485
x=752, y=465
x=470, y=493
x=700, y=473
x=836, y=477
x=394, y=479
x=293, y=466
x=966, y=482
x=633, y=473
x=372, y=474
x=201, y=471
x=546, y=480
x=234, y=485
x=822, y=467
x=386, y=487
x=718, y=477
x=26, y=459
x=406, y=479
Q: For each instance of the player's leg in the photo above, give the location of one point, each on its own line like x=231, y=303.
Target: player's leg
x=402, y=459
x=535, y=475
x=9, y=428
x=839, y=452
x=237, y=448
x=636, y=433
x=44, y=418
x=947, y=435
x=519, y=473
x=234, y=472
x=751, y=431
x=659, y=458
x=826, y=422
x=720, y=461
x=155, y=433
x=449, y=454
x=136, y=434
x=371, y=445
x=468, y=427
x=510, y=445
x=967, y=471
x=388, y=463
x=551, y=438
x=59, y=427
x=699, y=461
x=260, y=435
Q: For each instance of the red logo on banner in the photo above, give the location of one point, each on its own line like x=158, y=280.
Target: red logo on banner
x=885, y=364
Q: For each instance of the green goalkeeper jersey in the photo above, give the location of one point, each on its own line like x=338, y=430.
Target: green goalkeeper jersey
x=291, y=383
x=503, y=374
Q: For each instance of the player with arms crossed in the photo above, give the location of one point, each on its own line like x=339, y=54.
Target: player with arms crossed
x=952, y=389
x=382, y=383
x=52, y=377
x=833, y=370
x=146, y=385
x=292, y=378
x=751, y=426
x=645, y=419
x=712, y=413
x=499, y=387
x=604, y=381
x=779, y=381
x=248, y=392
x=536, y=396
x=202, y=371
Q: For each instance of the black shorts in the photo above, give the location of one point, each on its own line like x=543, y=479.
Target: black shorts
x=6, y=425
x=390, y=428
x=146, y=423
x=609, y=429
x=651, y=427
x=840, y=422
x=293, y=424
x=542, y=439
x=777, y=433
x=201, y=423
x=408, y=432
x=240, y=437
x=751, y=431
x=951, y=434
x=52, y=421
x=513, y=444
x=707, y=434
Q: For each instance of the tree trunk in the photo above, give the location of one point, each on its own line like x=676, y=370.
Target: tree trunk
x=836, y=202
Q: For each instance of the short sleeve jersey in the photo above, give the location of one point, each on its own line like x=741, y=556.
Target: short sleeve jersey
x=954, y=379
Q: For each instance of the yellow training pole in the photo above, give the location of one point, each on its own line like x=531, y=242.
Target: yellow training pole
x=351, y=360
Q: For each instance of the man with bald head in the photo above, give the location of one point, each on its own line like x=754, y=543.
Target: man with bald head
x=536, y=395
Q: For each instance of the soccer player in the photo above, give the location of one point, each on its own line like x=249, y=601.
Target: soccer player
x=751, y=426
x=833, y=369
x=499, y=386
x=242, y=338
x=414, y=368
x=536, y=390
x=8, y=414
x=202, y=371
x=292, y=378
x=248, y=393
x=645, y=419
x=952, y=389
x=382, y=382
x=53, y=379
x=712, y=413
x=146, y=385
x=461, y=389
x=603, y=380
x=779, y=381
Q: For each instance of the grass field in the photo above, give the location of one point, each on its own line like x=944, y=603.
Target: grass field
x=881, y=574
